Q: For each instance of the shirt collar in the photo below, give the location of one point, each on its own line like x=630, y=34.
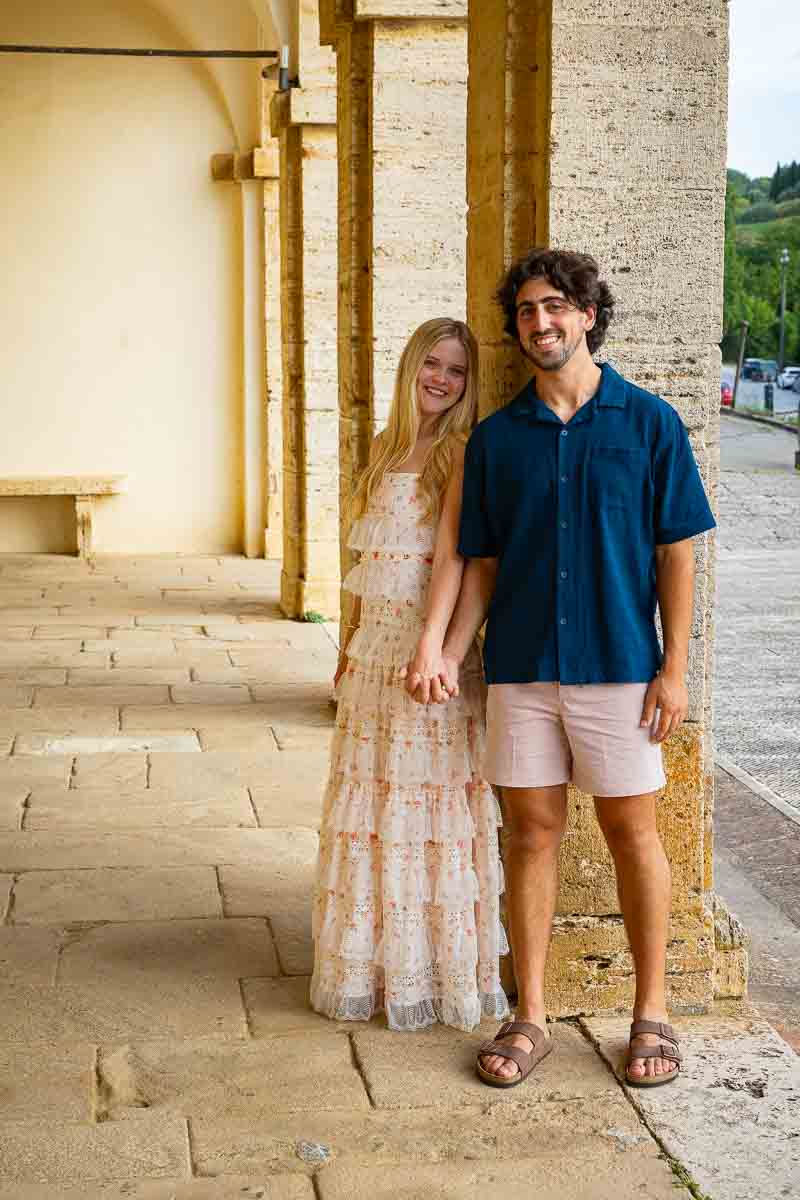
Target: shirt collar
x=612, y=393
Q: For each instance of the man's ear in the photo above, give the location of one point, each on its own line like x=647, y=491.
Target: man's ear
x=591, y=314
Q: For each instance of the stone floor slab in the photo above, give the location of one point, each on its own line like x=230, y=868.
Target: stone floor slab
x=32, y=769
x=277, y=1006
x=233, y=717
x=126, y=769
x=252, y=1080
x=105, y=808
x=183, y=743
x=28, y=956
x=272, y=1187
x=168, y=950
x=300, y=738
x=52, y=850
x=42, y=1079
x=119, y=894
x=479, y=1133
x=214, y=769
x=291, y=793
x=47, y=676
x=127, y=677
x=437, y=1067
x=95, y=721
x=69, y=1153
x=211, y=693
x=738, y=1095
x=59, y=632
x=12, y=800
x=276, y=669
x=13, y=695
x=167, y=659
x=151, y=694
x=245, y=740
x=27, y=655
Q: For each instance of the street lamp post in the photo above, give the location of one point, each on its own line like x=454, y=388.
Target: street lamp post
x=784, y=261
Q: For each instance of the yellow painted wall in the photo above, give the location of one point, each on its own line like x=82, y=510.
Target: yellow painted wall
x=121, y=305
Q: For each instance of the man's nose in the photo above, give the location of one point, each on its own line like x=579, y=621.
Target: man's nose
x=538, y=320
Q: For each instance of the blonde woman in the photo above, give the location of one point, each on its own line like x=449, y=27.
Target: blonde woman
x=406, y=907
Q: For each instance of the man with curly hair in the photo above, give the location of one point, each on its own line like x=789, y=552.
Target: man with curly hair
x=580, y=501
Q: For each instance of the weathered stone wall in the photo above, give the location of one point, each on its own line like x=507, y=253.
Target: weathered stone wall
x=402, y=226
x=303, y=119
x=602, y=128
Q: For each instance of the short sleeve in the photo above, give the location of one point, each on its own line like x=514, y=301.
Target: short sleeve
x=476, y=538
x=681, y=505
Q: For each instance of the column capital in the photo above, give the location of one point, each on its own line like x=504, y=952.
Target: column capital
x=334, y=14
x=302, y=106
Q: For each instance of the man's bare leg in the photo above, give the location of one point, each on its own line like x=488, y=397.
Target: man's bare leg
x=535, y=820
x=644, y=888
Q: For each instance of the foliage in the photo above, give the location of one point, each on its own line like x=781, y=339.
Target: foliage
x=756, y=213
x=790, y=193
x=785, y=177
x=752, y=278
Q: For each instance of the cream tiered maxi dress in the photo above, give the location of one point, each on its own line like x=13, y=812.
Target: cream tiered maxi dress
x=406, y=905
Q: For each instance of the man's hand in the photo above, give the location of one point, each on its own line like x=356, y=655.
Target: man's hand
x=431, y=676
x=667, y=693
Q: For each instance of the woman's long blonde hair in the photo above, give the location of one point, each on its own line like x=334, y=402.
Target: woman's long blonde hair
x=394, y=445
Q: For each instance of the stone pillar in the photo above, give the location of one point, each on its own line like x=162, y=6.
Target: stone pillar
x=401, y=125
x=273, y=533
x=303, y=119
x=602, y=128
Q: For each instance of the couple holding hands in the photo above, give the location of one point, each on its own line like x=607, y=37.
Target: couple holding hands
x=563, y=520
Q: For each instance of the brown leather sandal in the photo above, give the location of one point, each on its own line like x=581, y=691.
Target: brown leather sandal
x=526, y=1060
x=670, y=1051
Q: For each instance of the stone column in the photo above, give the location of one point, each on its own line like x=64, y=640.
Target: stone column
x=401, y=126
x=303, y=119
x=602, y=128
x=273, y=533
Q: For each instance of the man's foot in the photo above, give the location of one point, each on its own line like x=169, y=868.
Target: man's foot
x=650, y=1066
x=507, y=1068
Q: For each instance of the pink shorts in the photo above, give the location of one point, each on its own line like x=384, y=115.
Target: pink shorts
x=542, y=734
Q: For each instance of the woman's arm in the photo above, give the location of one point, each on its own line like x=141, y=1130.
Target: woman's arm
x=426, y=674
x=348, y=633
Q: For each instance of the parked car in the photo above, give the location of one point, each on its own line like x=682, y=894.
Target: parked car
x=787, y=377
x=725, y=395
x=760, y=370
x=796, y=384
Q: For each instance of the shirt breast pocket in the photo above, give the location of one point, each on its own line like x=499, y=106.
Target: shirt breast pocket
x=618, y=477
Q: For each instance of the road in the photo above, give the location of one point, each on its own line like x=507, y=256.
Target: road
x=751, y=395
x=757, y=708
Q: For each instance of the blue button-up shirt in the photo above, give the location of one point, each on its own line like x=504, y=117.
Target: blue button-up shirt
x=574, y=513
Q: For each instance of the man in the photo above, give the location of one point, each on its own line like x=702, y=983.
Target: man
x=580, y=501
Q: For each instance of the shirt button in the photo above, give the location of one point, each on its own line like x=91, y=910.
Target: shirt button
x=563, y=621
x=563, y=524
x=563, y=478
x=563, y=574
x=563, y=432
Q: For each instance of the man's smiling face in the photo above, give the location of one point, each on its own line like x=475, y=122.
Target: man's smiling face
x=549, y=326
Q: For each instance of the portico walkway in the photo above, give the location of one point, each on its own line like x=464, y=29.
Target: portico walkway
x=163, y=736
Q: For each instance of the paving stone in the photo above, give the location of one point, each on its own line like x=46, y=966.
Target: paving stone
x=210, y=693
x=291, y=794
x=12, y=799
x=31, y=769
x=27, y=956
x=244, y=739
x=68, y=1153
x=144, y=808
x=175, y=616
x=47, y=676
x=279, y=890
x=576, y=1176
x=46, y=656
x=119, y=770
x=168, y=950
x=297, y=635
x=101, y=719
x=118, y=894
x=215, y=769
x=15, y=695
x=107, y=694
x=441, y=1136
x=21, y=616
x=738, y=1095
x=234, y=717
x=35, y=744
x=278, y=669
x=232, y=1187
x=253, y=1079
x=277, y=1006
x=100, y=618
x=116, y=1009
x=128, y=677
x=6, y=884
x=124, y=640
x=294, y=737
x=163, y=658
x=164, y=847
x=43, y=1079
x=437, y=1066
x=13, y=648
x=69, y=631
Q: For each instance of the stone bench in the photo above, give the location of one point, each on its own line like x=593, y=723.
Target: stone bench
x=84, y=488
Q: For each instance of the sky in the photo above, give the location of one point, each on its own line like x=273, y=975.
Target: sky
x=764, y=97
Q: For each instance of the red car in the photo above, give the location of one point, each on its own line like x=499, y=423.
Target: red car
x=726, y=395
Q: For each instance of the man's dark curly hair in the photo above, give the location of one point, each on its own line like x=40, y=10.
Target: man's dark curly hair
x=576, y=275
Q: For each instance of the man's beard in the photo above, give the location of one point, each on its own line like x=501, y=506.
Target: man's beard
x=566, y=351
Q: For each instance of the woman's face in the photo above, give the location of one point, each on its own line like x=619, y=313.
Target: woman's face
x=442, y=377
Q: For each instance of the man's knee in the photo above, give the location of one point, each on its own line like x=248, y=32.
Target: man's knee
x=535, y=819
x=628, y=823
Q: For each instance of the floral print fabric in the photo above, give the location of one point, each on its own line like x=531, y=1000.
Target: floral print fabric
x=406, y=904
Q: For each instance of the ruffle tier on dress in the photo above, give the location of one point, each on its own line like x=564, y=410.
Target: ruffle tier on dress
x=406, y=906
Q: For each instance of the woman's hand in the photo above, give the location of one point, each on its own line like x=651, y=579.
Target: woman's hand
x=430, y=676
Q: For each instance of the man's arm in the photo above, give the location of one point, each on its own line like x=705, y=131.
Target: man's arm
x=675, y=591
x=477, y=589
